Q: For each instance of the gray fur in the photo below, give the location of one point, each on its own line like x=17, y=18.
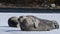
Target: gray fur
x=32, y=23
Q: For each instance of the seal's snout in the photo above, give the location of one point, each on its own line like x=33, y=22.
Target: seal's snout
x=57, y=26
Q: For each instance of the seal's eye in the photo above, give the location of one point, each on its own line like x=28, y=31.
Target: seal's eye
x=55, y=26
x=19, y=19
x=21, y=16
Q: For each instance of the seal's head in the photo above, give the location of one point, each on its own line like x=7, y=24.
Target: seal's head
x=55, y=25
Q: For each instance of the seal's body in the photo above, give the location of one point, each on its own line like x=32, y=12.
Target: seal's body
x=32, y=23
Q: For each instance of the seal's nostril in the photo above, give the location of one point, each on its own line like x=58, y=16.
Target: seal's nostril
x=58, y=27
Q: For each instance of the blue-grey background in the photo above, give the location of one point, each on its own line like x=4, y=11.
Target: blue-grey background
x=29, y=10
x=4, y=29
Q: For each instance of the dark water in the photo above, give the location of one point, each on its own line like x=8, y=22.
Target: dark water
x=26, y=10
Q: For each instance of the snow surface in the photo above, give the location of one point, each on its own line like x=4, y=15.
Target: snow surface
x=5, y=29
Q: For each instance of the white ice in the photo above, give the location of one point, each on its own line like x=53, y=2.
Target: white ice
x=5, y=29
